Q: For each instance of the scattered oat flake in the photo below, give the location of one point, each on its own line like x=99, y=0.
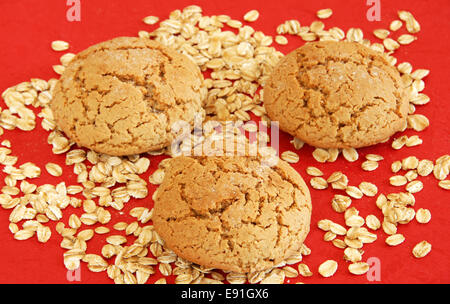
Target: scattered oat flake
x=235, y=24
x=66, y=58
x=413, y=141
x=59, y=45
x=339, y=243
x=420, y=99
x=324, y=224
x=329, y=236
x=53, y=169
x=290, y=157
x=423, y=216
x=395, y=239
x=59, y=69
x=308, y=36
x=321, y=155
x=333, y=154
x=161, y=281
x=290, y=272
x=13, y=228
x=157, y=177
x=85, y=234
x=411, y=175
x=298, y=144
x=421, y=249
x=410, y=162
x=328, y=268
x=354, y=221
x=281, y=40
x=404, y=68
x=414, y=186
x=355, y=35
x=444, y=184
x=340, y=203
x=395, y=25
x=251, y=16
x=324, y=13
x=420, y=74
x=318, y=183
x=358, y=268
x=368, y=189
x=340, y=184
x=381, y=33
x=404, y=15
x=305, y=250
x=116, y=239
x=303, y=270
x=338, y=229
x=354, y=192
x=389, y=228
x=440, y=171
x=316, y=26
x=352, y=254
x=23, y=234
x=335, y=176
x=418, y=122
x=120, y=226
x=412, y=25
x=390, y=44
x=369, y=165
x=398, y=143
x=406, y=39
x=150, y=20
x=74, y=221
x=374, y=157
x=381, y=201
x=398, y=180
x=373, y=222
x=43, y=234
x=396, y=166
x=350, y=154
x=313, y=171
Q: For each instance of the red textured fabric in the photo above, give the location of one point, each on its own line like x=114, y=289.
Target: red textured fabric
x=28, y=27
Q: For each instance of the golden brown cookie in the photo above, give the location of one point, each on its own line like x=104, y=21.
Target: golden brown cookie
x=336, y=95
x=122, y=96
x=232, y=213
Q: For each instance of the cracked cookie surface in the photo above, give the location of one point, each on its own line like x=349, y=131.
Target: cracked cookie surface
x=336, y=95
x=232, y=213
x=122, y=96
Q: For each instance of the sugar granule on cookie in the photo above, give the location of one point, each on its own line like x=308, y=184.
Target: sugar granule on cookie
x=122, y=96
x=232, y=213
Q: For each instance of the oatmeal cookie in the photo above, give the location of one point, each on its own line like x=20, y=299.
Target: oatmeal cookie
x=232, y=213
x=122, y=96
x=336, y=95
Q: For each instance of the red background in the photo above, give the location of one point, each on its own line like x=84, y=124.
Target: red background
x=28, y=27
